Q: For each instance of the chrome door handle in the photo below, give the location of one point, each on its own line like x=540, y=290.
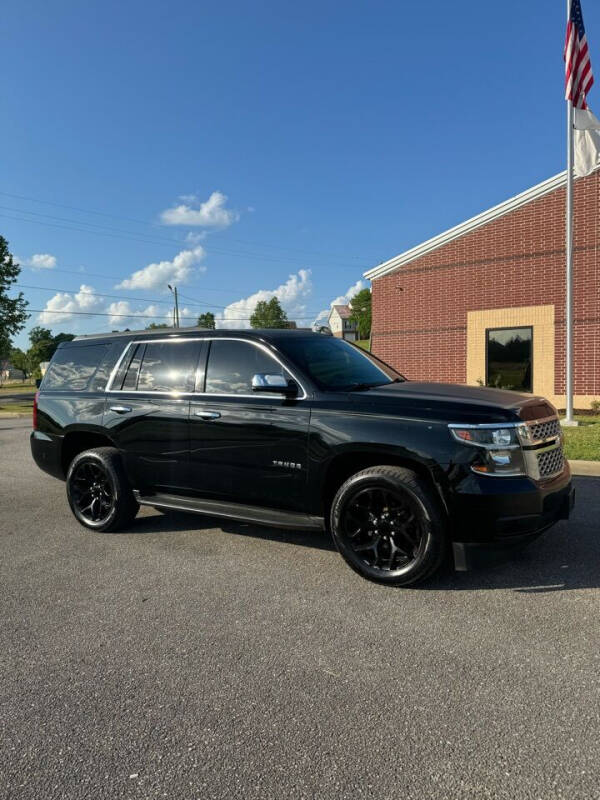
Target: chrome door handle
x=121, y=409
x=207, y=414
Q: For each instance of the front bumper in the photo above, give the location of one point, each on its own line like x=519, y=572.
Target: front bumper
x=503, y=511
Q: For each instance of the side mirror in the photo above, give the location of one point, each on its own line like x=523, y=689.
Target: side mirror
x=274, y=384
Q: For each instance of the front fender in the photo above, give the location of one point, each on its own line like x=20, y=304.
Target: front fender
x=339, y=435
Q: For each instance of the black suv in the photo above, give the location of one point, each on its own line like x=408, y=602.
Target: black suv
x=298, y=430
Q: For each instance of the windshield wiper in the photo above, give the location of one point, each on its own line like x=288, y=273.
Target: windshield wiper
x=360, y=387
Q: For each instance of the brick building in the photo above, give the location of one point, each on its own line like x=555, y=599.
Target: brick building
x=484, y=302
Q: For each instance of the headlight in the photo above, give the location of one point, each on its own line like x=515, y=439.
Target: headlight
x=499, y=448
x=485, y=437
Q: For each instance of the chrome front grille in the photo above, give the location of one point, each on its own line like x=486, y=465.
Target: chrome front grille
x=551, y=462
x=542, y=448
x=545, y=429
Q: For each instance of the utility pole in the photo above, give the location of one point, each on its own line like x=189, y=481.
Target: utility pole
x=176, y=309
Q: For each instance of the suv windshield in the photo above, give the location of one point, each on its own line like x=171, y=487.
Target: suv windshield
x=334, y=364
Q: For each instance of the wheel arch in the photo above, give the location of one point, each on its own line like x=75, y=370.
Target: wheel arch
x=347, y=463
x=76, y=441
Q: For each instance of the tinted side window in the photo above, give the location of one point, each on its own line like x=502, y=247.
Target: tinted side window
x=72, y=368
x=168, y=367
x=231, y=365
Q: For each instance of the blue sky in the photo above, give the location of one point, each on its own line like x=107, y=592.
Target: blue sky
x=243, y=147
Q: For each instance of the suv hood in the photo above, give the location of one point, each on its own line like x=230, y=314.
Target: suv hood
x=454, y=402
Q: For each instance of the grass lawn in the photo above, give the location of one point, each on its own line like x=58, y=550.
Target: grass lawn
x=364, y=343
x=17, y=388
x=583, y=443
x=16, y=408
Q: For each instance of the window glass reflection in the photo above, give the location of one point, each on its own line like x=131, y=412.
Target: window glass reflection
x=509, y=358
x=231, y=365
x=168, y=367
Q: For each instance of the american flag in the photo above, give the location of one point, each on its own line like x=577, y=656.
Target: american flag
x=578, y=67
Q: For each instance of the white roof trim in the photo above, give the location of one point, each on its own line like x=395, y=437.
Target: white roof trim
x=465, y=227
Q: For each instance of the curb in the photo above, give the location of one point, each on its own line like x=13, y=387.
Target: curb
x=14, y=415
x=589, y=468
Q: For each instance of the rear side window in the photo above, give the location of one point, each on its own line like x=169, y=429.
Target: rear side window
x=232, y=364
x=161, y=367
x=73, y=368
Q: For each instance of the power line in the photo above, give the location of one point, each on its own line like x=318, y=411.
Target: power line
x=108, y=277
x=131, y=316
x=154, y=225
x=191, y=300
x=156, y=241
x=113, y=296
x=91, y=294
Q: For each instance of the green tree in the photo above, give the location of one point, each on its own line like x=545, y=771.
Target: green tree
x=39, y=334
x=63, y=337
x=361, y=312
x=269, y=314
x=19, y=360
x=207, y=320
x=155, y=325
x=13, y=311
x=42, y=348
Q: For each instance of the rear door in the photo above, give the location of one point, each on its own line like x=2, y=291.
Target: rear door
x=147, y=411
x=247, y=447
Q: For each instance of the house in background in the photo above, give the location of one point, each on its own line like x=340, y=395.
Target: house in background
x=340, y=323
x=484, y=302
x=8, y=372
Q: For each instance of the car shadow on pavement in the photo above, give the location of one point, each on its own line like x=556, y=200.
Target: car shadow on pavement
x=564, y=558
x=182, y=521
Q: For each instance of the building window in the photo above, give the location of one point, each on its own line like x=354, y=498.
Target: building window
x=509, y=358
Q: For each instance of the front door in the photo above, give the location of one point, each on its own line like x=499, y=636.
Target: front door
x=147, y=412
x=247, y=447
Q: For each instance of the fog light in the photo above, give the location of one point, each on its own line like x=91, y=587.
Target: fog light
x=500, y=457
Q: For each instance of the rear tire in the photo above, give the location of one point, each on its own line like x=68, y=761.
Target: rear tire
x=98, y=491
x=388, y=525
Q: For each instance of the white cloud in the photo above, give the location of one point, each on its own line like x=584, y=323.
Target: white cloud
x=158, y=275
x=123, y=314
x=64, y=305
x=341, y=300
x=208, y=214
x=193, y=237
x=41, y=261
x=291, y=294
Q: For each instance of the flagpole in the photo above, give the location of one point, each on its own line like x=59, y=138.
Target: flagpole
x=568, y=420
x=569, y=266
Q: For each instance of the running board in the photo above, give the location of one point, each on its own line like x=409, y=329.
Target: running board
x=217, y=508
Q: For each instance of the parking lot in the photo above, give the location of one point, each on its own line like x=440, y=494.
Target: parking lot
x=189, y=658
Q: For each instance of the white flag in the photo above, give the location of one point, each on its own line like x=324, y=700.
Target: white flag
x=586, y=141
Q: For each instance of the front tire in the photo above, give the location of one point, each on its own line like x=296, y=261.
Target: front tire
x=98, y=491
x=388, y=526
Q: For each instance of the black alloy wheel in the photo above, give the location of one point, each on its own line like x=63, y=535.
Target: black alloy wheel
x=91, y=492
x=98, y=490
x=383, y=526
x=387, y=523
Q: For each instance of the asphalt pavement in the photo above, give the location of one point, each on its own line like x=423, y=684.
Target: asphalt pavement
x=192, y=659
